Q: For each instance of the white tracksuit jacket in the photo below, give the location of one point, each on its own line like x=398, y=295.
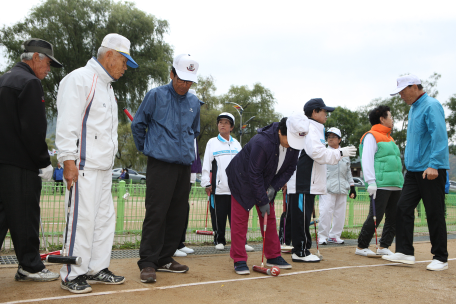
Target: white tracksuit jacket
x=220, y=151
x=310, y=174
x=87, y=117
x=87, y=132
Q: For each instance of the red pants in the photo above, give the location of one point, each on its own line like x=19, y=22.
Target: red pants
x=239, y=225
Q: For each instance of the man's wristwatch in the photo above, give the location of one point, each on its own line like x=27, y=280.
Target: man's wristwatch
x=341, y=153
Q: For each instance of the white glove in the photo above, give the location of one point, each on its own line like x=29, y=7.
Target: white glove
x=348, y=151
x=372, y=189
x=46, y=173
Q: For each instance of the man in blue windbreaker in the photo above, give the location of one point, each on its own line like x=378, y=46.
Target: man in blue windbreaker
x=426, y=160
x=171, y=117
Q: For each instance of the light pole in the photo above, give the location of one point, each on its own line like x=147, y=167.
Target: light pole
x=240, y=110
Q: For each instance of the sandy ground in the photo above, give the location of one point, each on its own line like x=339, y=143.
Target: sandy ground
x=359, y=282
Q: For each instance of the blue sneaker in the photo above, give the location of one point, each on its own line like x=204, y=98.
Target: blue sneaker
x=241, y=267
x=279, y=262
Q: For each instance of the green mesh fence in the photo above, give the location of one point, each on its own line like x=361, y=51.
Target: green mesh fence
x=130, y=215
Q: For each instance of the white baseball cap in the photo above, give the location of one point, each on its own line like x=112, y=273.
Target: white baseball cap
x=120, y=44
x=335, y=131
x=186, y=67
x=226, y=115
x=404, y=81
x=297, y=129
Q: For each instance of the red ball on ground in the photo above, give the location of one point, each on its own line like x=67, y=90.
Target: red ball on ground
x=275, y=271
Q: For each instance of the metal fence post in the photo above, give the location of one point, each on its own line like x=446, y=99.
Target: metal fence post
x=120, y=207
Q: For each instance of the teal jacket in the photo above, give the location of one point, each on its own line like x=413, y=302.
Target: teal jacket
x=427, y=139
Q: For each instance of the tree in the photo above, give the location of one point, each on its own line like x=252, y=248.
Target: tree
x=76, y=28
x=351, y=124
x=128, y=156
x=451, y=121
x=258, y=102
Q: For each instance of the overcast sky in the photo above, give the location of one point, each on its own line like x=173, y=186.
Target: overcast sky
x=346, y=52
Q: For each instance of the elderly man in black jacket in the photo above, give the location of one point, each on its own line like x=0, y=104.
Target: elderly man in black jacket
x=23, y=128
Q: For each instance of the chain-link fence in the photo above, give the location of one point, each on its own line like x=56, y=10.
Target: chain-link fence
x=130, y=215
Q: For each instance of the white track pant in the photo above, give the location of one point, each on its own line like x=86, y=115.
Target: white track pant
x=332, y=209
x=91, y=225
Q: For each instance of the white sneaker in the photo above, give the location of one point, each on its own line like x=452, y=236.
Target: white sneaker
x=187, y=250
x=179, y=253
x=322, y=241
x=384, y=251
x=286, y=247
x=436, y=265
x=400, y=258
x=365, y=252
x=336, y=240
x=249, y=248
x=43, y=276
x=219, y=246
x=307, y=259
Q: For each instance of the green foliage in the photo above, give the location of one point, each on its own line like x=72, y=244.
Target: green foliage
x=351, y=124
x=451, y=121
x=128, y=156
x=76, y=29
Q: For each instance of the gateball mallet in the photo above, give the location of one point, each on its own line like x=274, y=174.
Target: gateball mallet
x=64, y=258
x=274, y=271
x=205, y=231
x=375, y=226
x=316, y=234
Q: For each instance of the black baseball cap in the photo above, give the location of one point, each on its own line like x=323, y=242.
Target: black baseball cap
x=315, y=103
x=41, y=46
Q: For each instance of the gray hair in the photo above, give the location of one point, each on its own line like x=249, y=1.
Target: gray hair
x=29, y=55
x=102, y=51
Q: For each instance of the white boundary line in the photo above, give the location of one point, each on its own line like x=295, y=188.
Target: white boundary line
x=206, y=283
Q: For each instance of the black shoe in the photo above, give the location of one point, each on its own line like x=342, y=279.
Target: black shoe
x=78, y=285
x=279, y=262
x=105, y=277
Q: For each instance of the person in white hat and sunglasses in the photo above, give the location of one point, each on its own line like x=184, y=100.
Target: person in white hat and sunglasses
x=164, y=129
x=426, y=159
x=86, y=137
x=332, y=205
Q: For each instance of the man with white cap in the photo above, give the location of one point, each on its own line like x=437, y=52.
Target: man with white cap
x=255, y=174
x=426, y=159
x=171, y=116
x=86, y=137
x=309, y=179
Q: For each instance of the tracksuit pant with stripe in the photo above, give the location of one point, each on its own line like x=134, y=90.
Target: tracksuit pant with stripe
x=91, y=223
x=332, y=215
x=302, y=205
x=239, y=226
x=432, y=192
x=20, y=191
x=220, y=211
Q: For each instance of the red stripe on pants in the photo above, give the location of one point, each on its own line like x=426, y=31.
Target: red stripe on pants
x=239, y=225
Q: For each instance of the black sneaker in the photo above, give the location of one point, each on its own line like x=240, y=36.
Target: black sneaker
x=78, y=285
x=241, y=267
x=279, y=262
x=105, y=277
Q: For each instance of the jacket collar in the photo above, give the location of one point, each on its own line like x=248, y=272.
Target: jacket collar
x=381, y=129
x=94, y=64
x=25, y=66
x=173, y=92
x=423, y=97
x=220, y=138
x=318, y=125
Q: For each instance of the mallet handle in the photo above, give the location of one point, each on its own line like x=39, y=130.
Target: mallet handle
x=128, y=114
x=262, y=269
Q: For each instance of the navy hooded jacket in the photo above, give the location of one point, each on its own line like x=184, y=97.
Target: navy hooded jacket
x=253, y=170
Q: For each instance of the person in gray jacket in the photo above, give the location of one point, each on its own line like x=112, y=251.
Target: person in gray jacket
x=332, y=205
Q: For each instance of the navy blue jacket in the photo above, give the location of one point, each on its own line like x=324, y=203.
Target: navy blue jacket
x=253, y=170
x=172, y=122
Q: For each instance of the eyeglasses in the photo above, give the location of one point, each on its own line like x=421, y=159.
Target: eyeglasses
x=185, y=82
x=332, y=136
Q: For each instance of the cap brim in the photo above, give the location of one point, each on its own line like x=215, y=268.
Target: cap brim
x=54, y=62
x=398, y=90
x=187, y=76
x=131, y=63
x=329, y=109
x=296, y=142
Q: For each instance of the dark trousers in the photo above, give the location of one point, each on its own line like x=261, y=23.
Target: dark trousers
x=184, y=234
x=59, y=186
x=432, y=192
x=220, y=211
x=166, y=210
x=285, y=226
x=301, y=212
x=385, y=205
x=20, y=191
